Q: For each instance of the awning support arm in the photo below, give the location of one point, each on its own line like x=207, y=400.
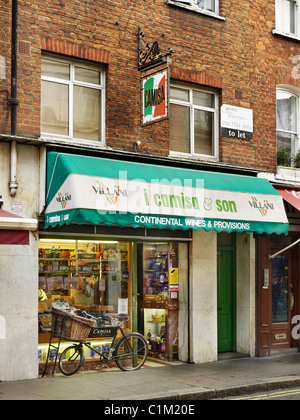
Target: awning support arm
x=283, y=250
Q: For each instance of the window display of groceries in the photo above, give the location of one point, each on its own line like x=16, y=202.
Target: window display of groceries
x=157, y=260
x=155, y=328
x=101, y=346
x=83, y=272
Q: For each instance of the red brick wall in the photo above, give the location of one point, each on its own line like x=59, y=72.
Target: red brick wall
x=239, y=57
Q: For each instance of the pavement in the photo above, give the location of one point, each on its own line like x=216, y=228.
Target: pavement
x=159, y=381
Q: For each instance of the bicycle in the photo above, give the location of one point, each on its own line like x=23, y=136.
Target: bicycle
x=130, y=351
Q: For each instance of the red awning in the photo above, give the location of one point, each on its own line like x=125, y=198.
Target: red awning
x=14, y=237
x=291, y=196
x=14, y=230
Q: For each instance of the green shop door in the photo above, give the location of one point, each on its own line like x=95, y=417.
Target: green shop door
x=226, y=293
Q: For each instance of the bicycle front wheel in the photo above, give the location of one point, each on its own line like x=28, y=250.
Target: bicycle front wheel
x=71, y=360
x=131, y=351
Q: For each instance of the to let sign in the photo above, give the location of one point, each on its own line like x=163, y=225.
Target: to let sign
x=236, y=122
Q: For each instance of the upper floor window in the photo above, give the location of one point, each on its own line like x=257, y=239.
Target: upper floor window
x=287, y=17
x=72, y=100
x=287, y=123
x=202, y=5
x=193, y=121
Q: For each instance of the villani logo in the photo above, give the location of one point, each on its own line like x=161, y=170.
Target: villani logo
x=112, y=194
x=63, y=199
x=263, y=207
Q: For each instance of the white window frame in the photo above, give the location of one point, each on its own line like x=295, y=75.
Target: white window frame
x=295, y=92
x=70, y=83
x=193, y=5
x=279, y=19
x=193, y=107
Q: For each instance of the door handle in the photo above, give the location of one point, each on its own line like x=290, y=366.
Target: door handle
x=220, y=309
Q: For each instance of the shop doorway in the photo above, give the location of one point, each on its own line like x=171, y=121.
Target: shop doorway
x=283, y=300
x=158, y=287
x=278, y=294
x=226, y=294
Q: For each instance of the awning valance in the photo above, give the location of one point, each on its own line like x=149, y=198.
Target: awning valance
x=14, y=230
x=83, y=189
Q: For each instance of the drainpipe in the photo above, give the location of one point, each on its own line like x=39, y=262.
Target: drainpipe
x=13, y=101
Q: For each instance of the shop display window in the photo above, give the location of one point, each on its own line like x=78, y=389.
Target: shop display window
x=155, y=328
x=159, y=263
x=90, y=275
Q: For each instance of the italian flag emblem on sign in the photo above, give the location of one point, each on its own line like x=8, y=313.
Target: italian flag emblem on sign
x=155, y=97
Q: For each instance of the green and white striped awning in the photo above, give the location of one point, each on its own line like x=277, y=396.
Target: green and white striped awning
x=83, y=189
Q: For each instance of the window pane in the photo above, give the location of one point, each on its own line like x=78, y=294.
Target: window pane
x=55, y=110
x=285, y=141
x=203, y=132
x=87, y=75
x=286, y=111
x=179, y=94
x=180, y=128
x=207, y=5
x=55, y=69
x=280, y=289
x=203, y=99
x=289, y=16
x=87, y=113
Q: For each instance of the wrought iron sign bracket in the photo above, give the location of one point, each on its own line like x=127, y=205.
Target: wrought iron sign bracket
x=150, y=55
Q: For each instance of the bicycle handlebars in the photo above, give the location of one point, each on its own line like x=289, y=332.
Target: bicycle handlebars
x=102, y=318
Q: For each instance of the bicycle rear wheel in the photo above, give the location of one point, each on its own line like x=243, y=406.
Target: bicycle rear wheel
x=71, y=360
x=131, y=351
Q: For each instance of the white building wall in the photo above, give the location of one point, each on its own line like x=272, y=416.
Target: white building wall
x=19, y=272
x=245, y=290
x=203, y=297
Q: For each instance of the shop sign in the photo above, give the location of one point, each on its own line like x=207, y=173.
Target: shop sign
x=156, y=196
x=165, y=205
x=155, y=95
x=103, y=332
x=236, y=122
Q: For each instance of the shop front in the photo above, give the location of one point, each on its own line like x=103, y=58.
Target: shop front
x=146, y=241
x=97, y=276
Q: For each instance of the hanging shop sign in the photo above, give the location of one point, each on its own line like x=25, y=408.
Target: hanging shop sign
x=150, y=54
x=236, y=122
x=83, y=189
x=155, y=96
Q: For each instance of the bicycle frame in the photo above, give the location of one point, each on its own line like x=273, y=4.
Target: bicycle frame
x=102, y=332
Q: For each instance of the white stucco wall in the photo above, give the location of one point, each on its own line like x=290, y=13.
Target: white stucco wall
x=245, y=290
x=203, y=297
